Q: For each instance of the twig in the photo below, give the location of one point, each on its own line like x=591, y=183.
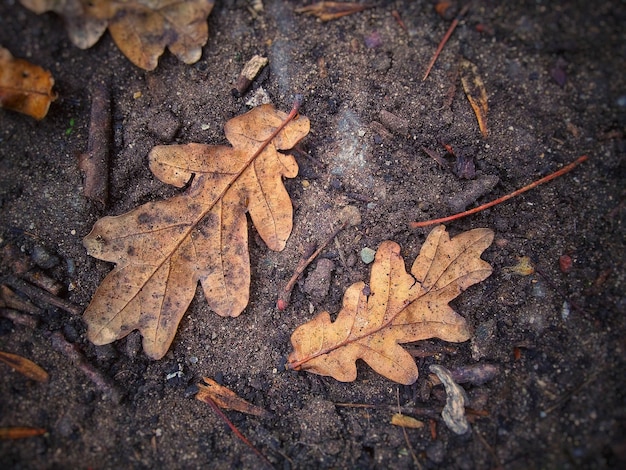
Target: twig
x=445, y=38
x=24, y=267
x=208, y=400
x=409, y=410
x=72, y=352
x=568, y=395
x=406, y=436
x=94, y=163
x=20, y=318
x=285, y=294
x=398, y=19
x=545, y=179
x=40, y=295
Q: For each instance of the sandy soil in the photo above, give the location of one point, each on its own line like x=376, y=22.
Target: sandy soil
x=554, y=74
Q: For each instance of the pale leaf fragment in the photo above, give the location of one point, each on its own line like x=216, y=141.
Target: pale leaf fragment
x=327, y=11
x=453, y=413
x=396, y=308
x=405, y=421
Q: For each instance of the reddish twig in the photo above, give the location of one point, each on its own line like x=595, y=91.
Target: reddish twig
x=445, y=39
x=285, y=294
x=208, y=400
x=398, y=18
x=532, y=185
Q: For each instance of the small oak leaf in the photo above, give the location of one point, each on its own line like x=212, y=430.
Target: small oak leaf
x=398, y=307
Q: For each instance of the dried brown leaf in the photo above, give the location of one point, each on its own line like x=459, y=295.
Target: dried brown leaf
x=24, y=87
x=227, y=399
x=164, y=248
x=327, y=11
x=398, y=307
x=476, y=93
x=140, y=28
x=24, y=366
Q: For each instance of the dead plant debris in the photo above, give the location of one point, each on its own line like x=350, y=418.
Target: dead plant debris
x=140, y=28
x=397, y=307
x=163, y=249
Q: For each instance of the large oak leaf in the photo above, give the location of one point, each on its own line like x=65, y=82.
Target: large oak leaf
x=396, y=308
x=164, y=248
x=140, y=28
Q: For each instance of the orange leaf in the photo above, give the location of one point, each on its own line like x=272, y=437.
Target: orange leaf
x=327, y=11
x=20, y=432
x=398, y=307
x=476, y=94
x=24, y=87
x=164, y=248
x=140, y=28
x=24, y=366
x=227, y=399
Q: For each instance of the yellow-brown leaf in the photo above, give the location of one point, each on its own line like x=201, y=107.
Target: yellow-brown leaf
x=24, y=366
x=406, y=421
x=227, y=399
x=140, y=28
x=24, y=87
x=398, y=307
x=164, y=248
x=476, y=93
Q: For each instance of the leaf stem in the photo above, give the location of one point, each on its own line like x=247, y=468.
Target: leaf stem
x=545, y=179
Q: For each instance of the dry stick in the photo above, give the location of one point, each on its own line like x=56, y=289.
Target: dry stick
x=545, y=179
x=406, y=436
x=234, y=429
x=72, y=352
x=94, y=163
x=285, y=294
x=445, y=38
x=40, y=295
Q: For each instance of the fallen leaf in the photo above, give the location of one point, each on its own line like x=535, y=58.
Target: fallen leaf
x=476, y=93
x=453, y=412
x=227, y=399
x=140, y=28
x=524, y=267
x=327, y=11
x=397, y=307
x=24, y=366
x=406, y=421
x=24, y=87
x=163, y=248
x=20, y=432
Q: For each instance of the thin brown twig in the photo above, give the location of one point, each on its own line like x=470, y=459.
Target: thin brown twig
x=406, y=436
x=71, y=351
x=445, y=38
x=208, y=400
x=40, y=295
x=285, y=293
x=545, y=179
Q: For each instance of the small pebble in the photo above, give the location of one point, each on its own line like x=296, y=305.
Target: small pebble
x=43, y=258
x=367, y=255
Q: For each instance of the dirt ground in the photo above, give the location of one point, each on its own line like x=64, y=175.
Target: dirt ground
x=555, y=77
